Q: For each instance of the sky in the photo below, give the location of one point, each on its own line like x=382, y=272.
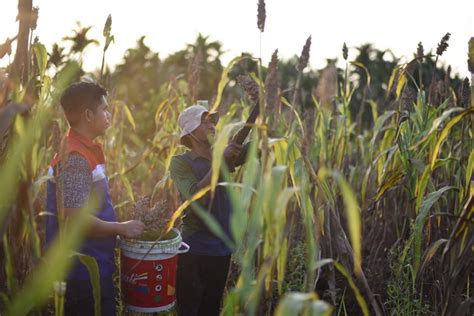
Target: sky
x=171, y=24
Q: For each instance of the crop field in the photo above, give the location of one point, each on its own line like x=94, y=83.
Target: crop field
x=356, y=198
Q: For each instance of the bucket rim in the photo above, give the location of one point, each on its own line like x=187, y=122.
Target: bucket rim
x=154, y=242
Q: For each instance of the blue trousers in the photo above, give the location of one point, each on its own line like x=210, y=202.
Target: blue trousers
x=80, y=301
x=200, y=283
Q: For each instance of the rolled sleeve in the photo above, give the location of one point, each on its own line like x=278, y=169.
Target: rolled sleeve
x=76, y=181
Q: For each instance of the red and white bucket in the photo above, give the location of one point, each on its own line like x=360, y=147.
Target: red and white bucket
x=148, y=280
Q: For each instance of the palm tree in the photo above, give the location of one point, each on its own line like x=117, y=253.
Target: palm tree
x=57, y=56
x=210, y=53
x=139, y=75
x=210, y=67
x=79, y=39
x=380, y=64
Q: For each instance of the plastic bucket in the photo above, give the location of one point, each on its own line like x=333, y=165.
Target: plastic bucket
x=148, y=281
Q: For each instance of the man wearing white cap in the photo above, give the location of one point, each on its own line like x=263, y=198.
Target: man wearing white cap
x=202, y=272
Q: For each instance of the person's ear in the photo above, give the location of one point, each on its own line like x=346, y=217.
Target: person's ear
x=88, y=114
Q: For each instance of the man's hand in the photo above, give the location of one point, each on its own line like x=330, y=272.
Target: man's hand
x=231, y=152
x=131, y=229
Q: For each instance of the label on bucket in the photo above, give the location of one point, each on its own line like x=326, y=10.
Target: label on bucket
x=149, y=284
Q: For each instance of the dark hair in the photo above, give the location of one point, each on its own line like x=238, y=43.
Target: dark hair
x=80, y=96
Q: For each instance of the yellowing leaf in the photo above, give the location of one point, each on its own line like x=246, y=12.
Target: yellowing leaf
x=445, y=131
x=129, y=116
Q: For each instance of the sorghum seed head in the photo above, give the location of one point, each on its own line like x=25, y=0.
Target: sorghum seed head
x=261, y=15
x=420, y=51
x=465, y=93
x=443, y=45
x=304, y=58
x=344, y=51
x=271, y=83
x=249, y=86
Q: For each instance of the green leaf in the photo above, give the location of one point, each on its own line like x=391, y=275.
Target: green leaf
x=359, y=297
x=46, y=88
x=284, y=101
x=445, y=131
x=179, y=211
x=213, y=225
x=128, y=187
x=373, y=107
x=280, y=147
x=93, y=269
x=277, y=193
x=386, y=150
x=392, y=77
x=446, y=114
x=218, y=151
x=224, y=80
x=402, y=80
x=312, y=246
x=420, y=221
x=129, y=116
x=56, y=264
x=241, y=200
x=323, y=262
x=436, y=124
x=160, y=111
x=8, y=266
x=363, y=189
x=41, y=57
x=319, y=307
x=431, y=251
x=295, y=303
x=389, y=182
x=353, y=220
x=379, y=124
x=160, y=185
x=353, y=215
x=469, y=170
x=282, y=243
x=420, y=192
x=361, y=65
x=281, y=265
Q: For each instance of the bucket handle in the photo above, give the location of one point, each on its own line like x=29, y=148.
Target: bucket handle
x=186, y=248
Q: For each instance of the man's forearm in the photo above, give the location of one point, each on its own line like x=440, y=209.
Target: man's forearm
x=100, y=228
x=205, y=181
x=97, y=227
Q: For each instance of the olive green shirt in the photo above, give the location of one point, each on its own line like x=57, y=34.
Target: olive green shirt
x=183, y=176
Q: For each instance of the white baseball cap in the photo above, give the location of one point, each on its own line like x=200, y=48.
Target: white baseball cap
x=190, y=118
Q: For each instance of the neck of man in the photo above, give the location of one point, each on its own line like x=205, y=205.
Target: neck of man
x=202, y=149
x=84, y=131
